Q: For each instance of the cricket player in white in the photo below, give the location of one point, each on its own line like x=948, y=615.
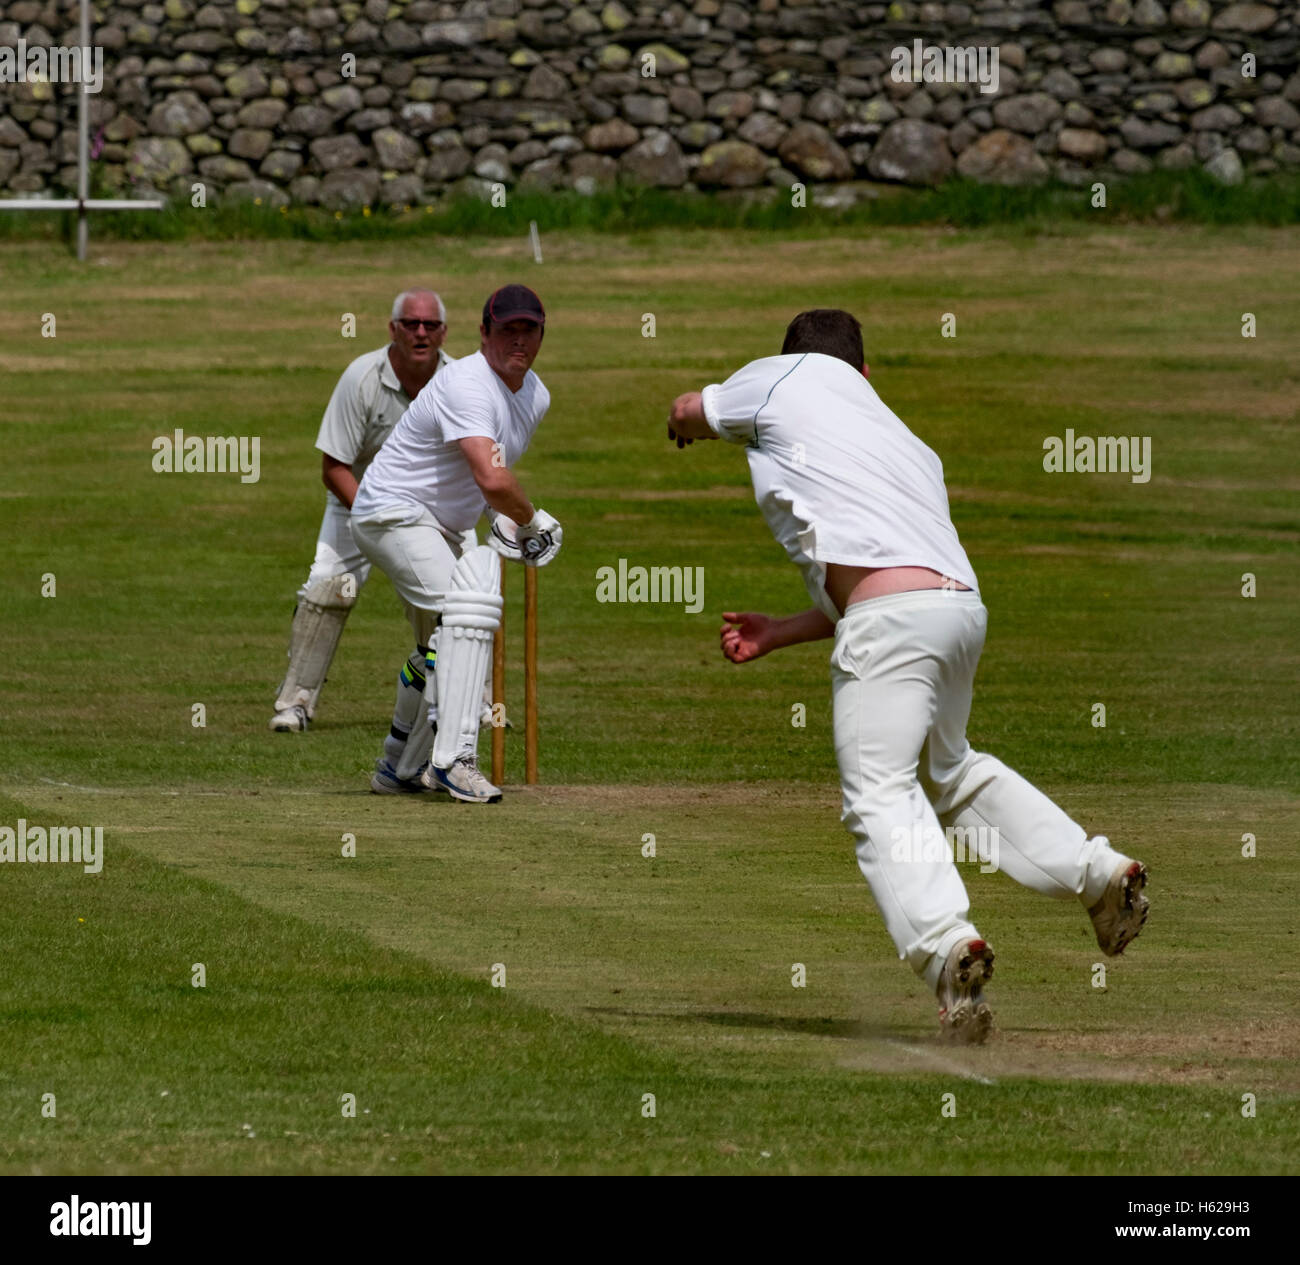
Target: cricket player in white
x=447, y=461
x=859, y=504
x=373, y=393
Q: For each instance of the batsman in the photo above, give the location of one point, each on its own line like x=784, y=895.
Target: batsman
x=448, y=461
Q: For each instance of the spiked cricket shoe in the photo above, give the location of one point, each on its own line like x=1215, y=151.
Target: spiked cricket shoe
x=1120, y=913
x=964, y=1015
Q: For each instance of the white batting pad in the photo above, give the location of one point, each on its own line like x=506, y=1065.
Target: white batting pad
x=471, y=614
x=317, y=626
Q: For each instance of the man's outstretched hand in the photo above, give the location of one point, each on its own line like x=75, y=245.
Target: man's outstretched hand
x=747, y=635
x=686, y=421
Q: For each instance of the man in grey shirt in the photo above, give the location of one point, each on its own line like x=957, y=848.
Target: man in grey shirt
x=371, y=396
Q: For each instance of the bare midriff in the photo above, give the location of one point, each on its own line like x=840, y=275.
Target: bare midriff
x=847, y=586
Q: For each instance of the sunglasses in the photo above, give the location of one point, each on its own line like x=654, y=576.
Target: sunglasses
x=415, y=326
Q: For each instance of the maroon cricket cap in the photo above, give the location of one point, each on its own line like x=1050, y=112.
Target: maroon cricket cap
x=513, y=303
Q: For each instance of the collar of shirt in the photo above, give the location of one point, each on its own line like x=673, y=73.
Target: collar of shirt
x=387, y=374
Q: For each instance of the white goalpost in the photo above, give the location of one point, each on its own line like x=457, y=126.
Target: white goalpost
x=82, y=203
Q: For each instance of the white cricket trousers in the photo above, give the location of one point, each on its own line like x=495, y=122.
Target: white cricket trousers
x=410, y=548
x=336, y=552
x=902, y=673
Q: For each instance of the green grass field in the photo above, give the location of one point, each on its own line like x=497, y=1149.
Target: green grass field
x=626, y=975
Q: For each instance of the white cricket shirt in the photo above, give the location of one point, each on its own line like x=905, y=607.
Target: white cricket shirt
x=367, y=403
x=422, y=467
x=838, y=476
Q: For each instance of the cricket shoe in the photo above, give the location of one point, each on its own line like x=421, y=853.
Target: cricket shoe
x=462, y=781
x=290, y=720
x=1122, y=910
x=964, y=1015
x=384, y=781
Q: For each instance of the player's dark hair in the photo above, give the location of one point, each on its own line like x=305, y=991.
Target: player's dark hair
x=829, y=331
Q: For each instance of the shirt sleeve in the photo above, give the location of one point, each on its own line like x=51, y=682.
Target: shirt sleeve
x=731, y=408
x=541, y=405
x=343, y=427
x=466, y=412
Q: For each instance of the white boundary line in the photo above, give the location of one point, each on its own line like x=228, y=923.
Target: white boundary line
x=943, y=1064
x=155, y=790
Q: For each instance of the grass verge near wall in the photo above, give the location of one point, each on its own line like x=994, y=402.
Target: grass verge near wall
x=1158, y=197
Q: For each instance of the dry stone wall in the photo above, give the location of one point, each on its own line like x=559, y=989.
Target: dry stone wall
x=396, y=102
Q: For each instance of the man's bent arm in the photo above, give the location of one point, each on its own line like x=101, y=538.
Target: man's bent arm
x=809, y=625
x=686, y=420
x=338, y=477
x=501, y=490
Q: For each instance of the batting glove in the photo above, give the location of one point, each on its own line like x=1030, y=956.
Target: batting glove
x=539, y=539
x=502, y=538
